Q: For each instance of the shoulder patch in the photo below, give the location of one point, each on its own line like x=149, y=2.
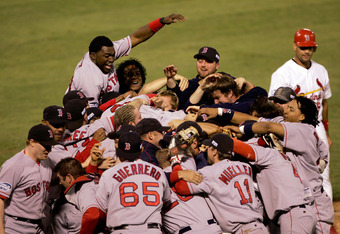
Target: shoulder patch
x=5, y=186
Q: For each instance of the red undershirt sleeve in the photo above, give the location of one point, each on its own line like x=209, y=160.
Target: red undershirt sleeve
x=244, y=150
x=181, y=186
x=89, y=220
x=107, y=104
x=83, y=155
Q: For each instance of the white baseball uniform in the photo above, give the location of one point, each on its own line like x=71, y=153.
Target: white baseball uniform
x=89, y=79
x=190, y=213
x=312, y=83
x=24, y=186
x=132, y=194
x=231, y=195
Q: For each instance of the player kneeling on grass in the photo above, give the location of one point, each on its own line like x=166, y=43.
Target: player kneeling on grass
x=230, y=189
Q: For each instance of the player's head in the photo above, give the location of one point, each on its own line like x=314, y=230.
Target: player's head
x=225, y=89
x=151, y=130
x=67, y=170
x=102, y=53
x=170, y=100
x=207, y=61
x=262, y=107
x=129, y=146
x=76, y=94
x=131, y=75
x=220, y=147
x=93, y=113
x=163, y=158
x=304, y=45
x=55, y=118
x=107, y=97
x=127, y=114
x=302, y=110
x=190, y=133
x=39, y=142
x=282, y=96
x=75, y=114
x=124, y=128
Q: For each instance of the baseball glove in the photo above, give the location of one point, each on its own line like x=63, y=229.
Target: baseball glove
x=225, y=131
x=273, y=142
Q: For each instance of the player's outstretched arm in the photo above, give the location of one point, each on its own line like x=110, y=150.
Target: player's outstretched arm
x=147, y=31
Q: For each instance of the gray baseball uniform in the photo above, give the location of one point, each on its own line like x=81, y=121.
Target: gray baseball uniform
x=89, y=79
x=231, y=195
x=24, y=184
x=189, y=213
x=132, y=195
x=306, y=155
x=281, y=188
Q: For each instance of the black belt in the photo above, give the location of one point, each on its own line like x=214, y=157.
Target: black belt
x=33, y=221
x=188, y=228
x=126, y=226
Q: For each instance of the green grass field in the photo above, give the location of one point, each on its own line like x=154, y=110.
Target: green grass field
x=42, y=41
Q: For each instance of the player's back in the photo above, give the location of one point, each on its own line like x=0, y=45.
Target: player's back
x=133, y=193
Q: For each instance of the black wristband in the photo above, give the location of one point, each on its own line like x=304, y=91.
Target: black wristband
x=162, y=20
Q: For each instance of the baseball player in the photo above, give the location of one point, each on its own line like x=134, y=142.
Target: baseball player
x=305, y=155
x=151, y=132
x=187, y=213
x=230, y=189
x=95, y=74
x=132, y=193
x=55, y=118
x=25, y=183
x=80, y=190
x=207, y=62
x=310, y=79
x=285, y=199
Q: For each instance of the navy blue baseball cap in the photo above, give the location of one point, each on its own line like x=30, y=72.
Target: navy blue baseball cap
x=129, y=146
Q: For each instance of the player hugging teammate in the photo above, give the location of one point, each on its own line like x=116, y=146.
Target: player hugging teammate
x=208, y=155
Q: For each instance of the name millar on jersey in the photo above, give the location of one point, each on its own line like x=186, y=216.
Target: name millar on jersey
x=136, y=169
x=230, y=172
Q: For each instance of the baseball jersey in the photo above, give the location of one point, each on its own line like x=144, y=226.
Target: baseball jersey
x=305, y=155
x=231, y=195
x=67, y=219
x=187, y=211
x=25, y=184
x=164, y=117
x=84, y=197
x=133, y=193
x=278, y=180
x=312, y=83
x=109, y=112
x=89, y=79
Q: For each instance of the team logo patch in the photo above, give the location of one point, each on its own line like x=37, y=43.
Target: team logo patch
x=205, y=50
x=51, y=133
x=5, y=186
x=127, y=146
x=214, y=143
x=307, y=37
x=204, y=117
x=60, y=112
x=69, y=116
